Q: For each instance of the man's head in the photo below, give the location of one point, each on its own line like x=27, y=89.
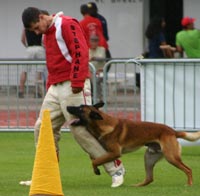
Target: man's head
x=35, y=20
x=188, y=22
x=84, y=9
x=93, y=10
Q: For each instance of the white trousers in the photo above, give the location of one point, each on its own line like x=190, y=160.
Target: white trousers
x=60, y=96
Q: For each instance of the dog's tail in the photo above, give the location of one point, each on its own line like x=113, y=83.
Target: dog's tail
x=190, y=136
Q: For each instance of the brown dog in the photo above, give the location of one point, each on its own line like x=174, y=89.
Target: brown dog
x=120, y=136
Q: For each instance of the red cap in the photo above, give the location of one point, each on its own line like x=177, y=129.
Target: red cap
x=187, y=20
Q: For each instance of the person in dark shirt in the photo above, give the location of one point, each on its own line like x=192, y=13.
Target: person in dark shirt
x=156, y=37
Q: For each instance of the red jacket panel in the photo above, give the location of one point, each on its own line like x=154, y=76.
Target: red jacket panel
x=66, y=52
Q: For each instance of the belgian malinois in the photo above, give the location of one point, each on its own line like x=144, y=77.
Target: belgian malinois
x=120, y=136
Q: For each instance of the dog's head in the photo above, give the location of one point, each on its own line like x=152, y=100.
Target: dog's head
x=85, y=113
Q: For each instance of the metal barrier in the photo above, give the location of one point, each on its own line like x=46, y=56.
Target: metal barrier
x=121, y=92
x=17, y=114
x=169, y=92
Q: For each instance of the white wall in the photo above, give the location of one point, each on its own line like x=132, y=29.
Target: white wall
x=124, y=17
x=191, y=8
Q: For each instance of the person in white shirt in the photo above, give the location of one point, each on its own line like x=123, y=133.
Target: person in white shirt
x=97, y=55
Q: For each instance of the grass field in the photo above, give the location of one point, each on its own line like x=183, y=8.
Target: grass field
x=17, y=157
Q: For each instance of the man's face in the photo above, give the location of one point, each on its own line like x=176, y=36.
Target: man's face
x=39, y=27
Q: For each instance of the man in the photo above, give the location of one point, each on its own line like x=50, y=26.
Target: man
x=188, y=39
x=68, y=79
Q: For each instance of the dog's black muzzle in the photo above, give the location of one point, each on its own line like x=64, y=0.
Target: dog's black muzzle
x=77, y=112
x=73, y=110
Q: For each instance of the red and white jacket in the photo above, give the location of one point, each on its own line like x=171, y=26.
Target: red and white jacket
x=66, y=52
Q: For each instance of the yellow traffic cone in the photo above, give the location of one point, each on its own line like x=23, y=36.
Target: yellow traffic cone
x=46, y=175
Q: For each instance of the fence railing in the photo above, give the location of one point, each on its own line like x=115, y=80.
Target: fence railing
x=16, y=113
x=170, y=92
x=121, y=88
x=162, y=90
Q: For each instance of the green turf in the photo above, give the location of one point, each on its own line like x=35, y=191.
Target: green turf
x=17, y=157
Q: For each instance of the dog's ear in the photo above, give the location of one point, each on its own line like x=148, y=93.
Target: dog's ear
x=99, y=105
x=95, y=116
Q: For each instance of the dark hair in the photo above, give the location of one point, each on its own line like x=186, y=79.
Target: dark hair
x=45, y=12
x=93, y=10
x=84, y=9
x=30, y=15
x=154, y=27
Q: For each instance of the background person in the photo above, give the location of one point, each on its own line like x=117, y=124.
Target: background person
x=68, y=80
x=35, y=51
x=156, y=37
x=92, y=26
x=93, y=10
x=188, y=39
x=97, y=55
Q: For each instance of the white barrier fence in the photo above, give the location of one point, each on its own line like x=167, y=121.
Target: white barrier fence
x=168, y=92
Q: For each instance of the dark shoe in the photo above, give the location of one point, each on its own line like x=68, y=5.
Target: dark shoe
x=20, y=95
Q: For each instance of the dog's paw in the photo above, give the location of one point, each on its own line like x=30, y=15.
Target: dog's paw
x=97, y=171
x=144, y=183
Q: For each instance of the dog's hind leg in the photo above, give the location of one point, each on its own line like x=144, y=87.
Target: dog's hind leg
x=171, y=151
x=151, y=157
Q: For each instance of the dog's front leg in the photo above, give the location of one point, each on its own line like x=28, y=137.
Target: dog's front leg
x=110, y=156
x=96, y=169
